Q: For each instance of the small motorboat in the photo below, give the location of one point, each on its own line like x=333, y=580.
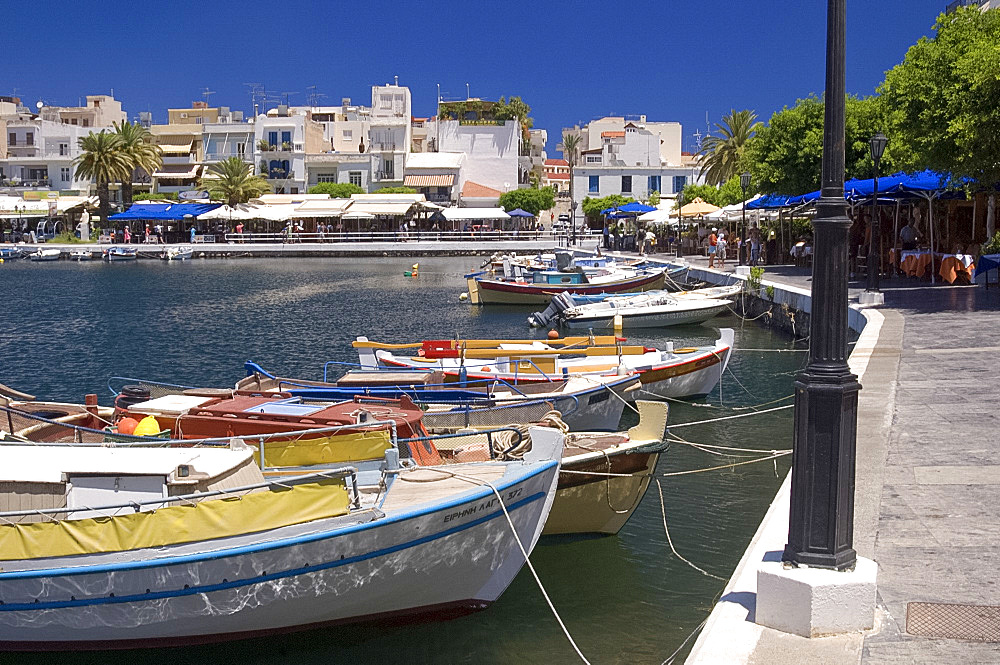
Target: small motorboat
x=46, y=255
x=178, y=253
x=81, y=255
x=119, y=253
x=11, y=253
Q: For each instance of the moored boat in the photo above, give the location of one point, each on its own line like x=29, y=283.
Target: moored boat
x=654, y=309
x=177, y=253
x=46, y=255
x=119, y=253
x=81, y=255
x=546, y=283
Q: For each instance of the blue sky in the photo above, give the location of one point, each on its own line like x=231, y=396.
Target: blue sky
x=570, y=61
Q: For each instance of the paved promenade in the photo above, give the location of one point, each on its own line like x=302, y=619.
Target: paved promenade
x=928, y=488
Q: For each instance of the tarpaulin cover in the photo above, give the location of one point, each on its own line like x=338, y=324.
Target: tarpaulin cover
x=332, y=449
x=987, y=262
x=217, y=518
x=163, y=212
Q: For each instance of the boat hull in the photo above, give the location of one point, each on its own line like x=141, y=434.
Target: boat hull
x=647, y=319
x=599, y=503
x=454, y=556
x=496, y=292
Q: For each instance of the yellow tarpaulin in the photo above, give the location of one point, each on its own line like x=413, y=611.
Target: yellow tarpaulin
x=171, y=525
x=334, y=449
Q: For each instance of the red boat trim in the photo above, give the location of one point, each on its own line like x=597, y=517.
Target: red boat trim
x=582, y=289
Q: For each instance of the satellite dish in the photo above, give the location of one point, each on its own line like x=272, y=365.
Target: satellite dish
x=39, y=104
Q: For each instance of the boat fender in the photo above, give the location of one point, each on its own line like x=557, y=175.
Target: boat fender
x=127, y=425
x=147, y=427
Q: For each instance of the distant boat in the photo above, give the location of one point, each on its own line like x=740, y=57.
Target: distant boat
x=547, y=283
x=178, y=253
x=81, y=255
x=46, y=255
x=10, y=253
x=118, y=253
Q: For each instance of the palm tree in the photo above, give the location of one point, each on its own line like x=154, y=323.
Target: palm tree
x=720, y=155
x=571, y=147
x=140, y=152
x=231, y=180
x=104, y=162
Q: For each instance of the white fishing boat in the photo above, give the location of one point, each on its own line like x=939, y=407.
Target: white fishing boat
x=654, y=310
x=123, y=547
x=81, y=255
x=46, y=255
x=177, y=253
x=667, y=372
x=119, y=253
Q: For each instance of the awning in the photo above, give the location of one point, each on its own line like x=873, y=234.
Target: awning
x=393, y=209
x=321, y=208
x=429, y=180
x=174, y=149
x=159, y=212
x=179, y=171
x=473, y=214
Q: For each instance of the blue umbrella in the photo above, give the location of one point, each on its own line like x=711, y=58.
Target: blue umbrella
x=635, y=206
x=517, y=212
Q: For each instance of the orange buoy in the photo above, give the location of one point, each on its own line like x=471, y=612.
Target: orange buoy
x=127, y=425
x=553, y=334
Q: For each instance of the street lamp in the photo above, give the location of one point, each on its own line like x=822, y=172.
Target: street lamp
x=680, y=218
x=745, y=184
x=877, y=144
x=821, y=515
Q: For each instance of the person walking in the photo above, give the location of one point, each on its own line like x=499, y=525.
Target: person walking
x=713, y=247
x=720, y=249
x=755, y=243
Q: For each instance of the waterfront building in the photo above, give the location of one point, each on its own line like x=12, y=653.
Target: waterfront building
x=555, y=174
x=283, y=137
x=436, y=175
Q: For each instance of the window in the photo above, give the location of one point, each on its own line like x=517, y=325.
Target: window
x=86, y=122
x=594, y=184
x=387, y=169
x=286, y=137
x=593, y=159
x=12, y=138
x=626, y=184
x=654, y=184
x=29, y=138
x=64, y=174
x=679, y=182
x=241, y=149
x=348, y=134
x=326, y=177
x=355, y=177
x=272, y=139
x=73, y=121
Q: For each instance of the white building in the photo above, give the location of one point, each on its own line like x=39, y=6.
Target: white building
x=436, y=175
x=289, y=134
x=491, y=152
x=595, y=134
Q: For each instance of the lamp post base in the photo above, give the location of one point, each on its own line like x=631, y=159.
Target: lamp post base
x=871, y=298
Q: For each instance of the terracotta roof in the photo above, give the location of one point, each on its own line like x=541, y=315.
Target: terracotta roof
x=556, y=162
x=557, y=176
x=473, y=190
x=612, y=135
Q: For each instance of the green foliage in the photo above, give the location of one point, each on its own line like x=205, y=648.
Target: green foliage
x=654, y=198
x=155, y=196
x=232, y=181
x=991, y=246
x=102, y=160
x=707, y=193
x=136, y=143
x=592, y=207
x=263, y=145
x=785, y=156
x=336, y=190
x=943, y=101
x=530, y=199
x=721, y=155
x=769, y=291
x=67, y=238
x=731, y=192
x=753, y=280
x=389, y=190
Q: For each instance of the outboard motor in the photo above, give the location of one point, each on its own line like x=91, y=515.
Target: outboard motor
x=564, y=260
x=559, y=304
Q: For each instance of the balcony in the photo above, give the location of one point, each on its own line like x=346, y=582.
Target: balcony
x=382, y=147
x=385, y=175
x=219, y=156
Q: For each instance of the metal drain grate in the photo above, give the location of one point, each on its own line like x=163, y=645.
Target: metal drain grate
x=958, y=622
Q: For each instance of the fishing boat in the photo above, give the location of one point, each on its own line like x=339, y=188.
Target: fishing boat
x=46, y=255
x=81, y=255
x=652, y=309
x=128, y=547
x=119, y=253
x=585, y=402
x=177, y=253
x=727, y=291
x=10, y=253
x=669, y=372
x=546, y=283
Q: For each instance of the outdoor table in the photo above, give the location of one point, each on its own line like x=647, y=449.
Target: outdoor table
x=955, y=264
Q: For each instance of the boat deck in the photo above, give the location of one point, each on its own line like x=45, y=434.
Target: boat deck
x=420, y=485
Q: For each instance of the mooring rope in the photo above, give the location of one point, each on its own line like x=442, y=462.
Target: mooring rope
x=738, y=415
x=663, y=512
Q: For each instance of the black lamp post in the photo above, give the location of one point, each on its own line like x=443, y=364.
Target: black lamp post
x=821, y=518
x=745, y=184
x=680, y=220
x=877, y=144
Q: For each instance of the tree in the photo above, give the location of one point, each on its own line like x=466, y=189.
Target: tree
x=942, y=102
x=389, y=190
x=571, y=151
x=140, y=153
x=707, y=193
x=232, y=181
x=530, y=199
x=721, y=156
x=654, y=198
x=336, y=190
x=515, y=109
x=785, y=156
x=592, y=207
x=104, y=162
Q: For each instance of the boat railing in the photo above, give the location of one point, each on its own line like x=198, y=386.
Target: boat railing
x=490, y=435
x=110, y=510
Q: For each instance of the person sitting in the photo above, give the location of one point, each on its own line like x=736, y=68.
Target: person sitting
x=908, y=236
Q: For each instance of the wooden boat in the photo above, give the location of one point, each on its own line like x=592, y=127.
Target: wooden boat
x=11, y=253
x=119, y=253
x=546, y=283
x=108, y=555
x=585, y=402
x=671, y=372
x=653, y=309
x=46, y=255
x=178, y=253
x=81, y=255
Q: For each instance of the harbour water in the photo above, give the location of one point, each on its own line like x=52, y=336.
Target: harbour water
x=65, y=328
